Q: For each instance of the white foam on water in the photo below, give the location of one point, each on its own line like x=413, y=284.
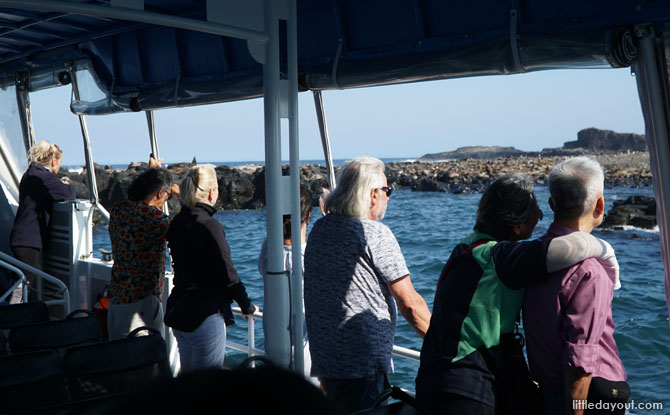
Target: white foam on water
x=632, y=228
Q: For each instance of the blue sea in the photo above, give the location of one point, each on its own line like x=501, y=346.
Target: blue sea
x=428, y=225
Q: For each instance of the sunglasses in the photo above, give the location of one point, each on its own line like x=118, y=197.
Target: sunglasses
x=387, y=189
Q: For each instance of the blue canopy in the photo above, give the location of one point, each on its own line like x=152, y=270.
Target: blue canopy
x=341, y=44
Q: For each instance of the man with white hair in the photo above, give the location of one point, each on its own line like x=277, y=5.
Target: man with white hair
x=354, y=270
x=568, y=318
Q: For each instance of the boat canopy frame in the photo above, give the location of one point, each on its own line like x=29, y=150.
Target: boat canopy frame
x=276, y=48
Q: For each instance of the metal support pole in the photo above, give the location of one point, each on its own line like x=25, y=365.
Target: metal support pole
x=154, y=146
x=23, y=100
x=297, y=317
x=276, y=288
x=656, y=125
x=325, y=138
x=88, y=157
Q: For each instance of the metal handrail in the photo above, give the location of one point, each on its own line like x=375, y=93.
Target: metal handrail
x=41, y=274
x=251, y=350
x=22, y=279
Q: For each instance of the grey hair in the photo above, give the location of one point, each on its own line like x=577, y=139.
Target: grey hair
x=574, y=185
x=355, y=179
x=506, y=203
x=196, y=185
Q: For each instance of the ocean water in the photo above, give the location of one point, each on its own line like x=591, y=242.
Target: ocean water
x=428, y=225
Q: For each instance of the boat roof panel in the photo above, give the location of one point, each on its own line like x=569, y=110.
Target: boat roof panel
x=341, y=44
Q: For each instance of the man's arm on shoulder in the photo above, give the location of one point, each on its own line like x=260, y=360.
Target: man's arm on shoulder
x=521, y=263
x=411, y=305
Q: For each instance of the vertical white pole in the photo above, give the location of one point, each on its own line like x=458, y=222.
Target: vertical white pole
x=297, y=317
x=276, y=288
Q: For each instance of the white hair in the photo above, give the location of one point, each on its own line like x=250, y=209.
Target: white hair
x=575, y=185
x=355, y=179
x=196, y=185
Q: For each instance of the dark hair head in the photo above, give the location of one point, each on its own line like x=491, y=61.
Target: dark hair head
x=507, y=202
x=305, y=209
x=148, y=183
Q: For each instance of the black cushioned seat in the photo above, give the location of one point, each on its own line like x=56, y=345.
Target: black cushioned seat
x=30, y=381
x=116, y=366
x=14, y=315
x=58, y=335
x=3, y=343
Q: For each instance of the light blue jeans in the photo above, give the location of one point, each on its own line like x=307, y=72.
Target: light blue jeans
x=204, y=347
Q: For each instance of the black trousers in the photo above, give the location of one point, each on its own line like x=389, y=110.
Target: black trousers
x=614, y=393
x=33, y=257
x=452, y=404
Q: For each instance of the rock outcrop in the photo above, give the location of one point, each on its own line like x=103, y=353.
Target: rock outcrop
x=243, y=187
x=594, y=139
x=474, y=152
x=591, y=140
x=638, y=211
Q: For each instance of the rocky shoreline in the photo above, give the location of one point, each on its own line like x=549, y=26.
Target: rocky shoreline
x=243, y=187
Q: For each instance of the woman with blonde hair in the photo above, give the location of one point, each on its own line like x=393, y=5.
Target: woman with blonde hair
x=38, y=190
x=205, y=279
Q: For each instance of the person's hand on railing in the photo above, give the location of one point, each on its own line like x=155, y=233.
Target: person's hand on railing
x=246, y=316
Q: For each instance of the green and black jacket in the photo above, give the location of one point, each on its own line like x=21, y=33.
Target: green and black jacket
x=478, y=298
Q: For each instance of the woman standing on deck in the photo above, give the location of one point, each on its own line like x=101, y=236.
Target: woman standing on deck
x=205, y=280
x=38, y=190
x=137, y=230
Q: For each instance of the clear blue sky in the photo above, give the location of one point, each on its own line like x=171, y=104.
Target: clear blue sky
x=528, y=111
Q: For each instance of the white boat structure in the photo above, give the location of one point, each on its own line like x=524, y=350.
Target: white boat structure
x=148, y=55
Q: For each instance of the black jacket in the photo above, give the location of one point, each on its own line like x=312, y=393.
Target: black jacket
x=38, y=190
x=205, y=280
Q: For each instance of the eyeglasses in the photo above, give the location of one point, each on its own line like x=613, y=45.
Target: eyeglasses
x=387, y=189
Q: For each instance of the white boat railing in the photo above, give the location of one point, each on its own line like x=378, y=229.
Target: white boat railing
x=251, y=350
x=11, y=263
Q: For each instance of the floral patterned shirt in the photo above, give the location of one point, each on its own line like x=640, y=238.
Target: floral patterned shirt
x=138, y=234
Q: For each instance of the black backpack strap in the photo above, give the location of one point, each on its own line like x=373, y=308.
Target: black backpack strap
x=450, y=263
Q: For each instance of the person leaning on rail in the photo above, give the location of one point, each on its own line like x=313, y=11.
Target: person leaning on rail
x=38, y=190
x=464, y=364
x=205, y=279
x=568, y=318
x=137, y=230
x=355, y=273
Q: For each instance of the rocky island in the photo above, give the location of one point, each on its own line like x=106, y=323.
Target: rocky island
x=465, y=170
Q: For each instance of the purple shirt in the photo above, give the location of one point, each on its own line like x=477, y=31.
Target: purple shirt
x=568, y=322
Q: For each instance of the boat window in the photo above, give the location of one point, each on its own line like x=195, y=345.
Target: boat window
x=88, y=88
x=11, y=133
